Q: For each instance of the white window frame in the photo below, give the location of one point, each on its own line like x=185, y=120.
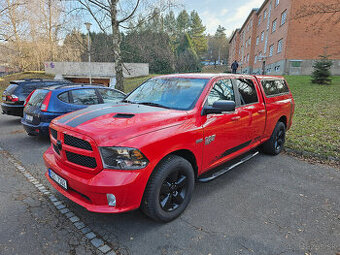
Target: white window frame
x=279, y=46
x=283, y=17
x=271, y=50
x=277, y=2
x=257, y=40
x=274, y=25
x=262, y=36
x=265, y=14
x=259, y=20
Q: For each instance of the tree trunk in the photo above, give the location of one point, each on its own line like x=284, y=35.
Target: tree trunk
x=116, y=46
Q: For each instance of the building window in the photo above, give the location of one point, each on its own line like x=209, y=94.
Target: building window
x=279, y=46
x=255, y=59
x=295, y=63
x=259, y=20
x=257, y=40
x=248, y=57
x=283, y=17
x=274, y=26
x=249, y=41
x=277, y=2
x=262, y=36
x=271, y=50
x=264, y=14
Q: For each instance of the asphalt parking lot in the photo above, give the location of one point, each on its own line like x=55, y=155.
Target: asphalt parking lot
x=269, y=205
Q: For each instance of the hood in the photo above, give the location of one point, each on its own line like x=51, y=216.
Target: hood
x=109, y=125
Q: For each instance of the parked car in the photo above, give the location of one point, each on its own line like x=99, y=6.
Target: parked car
x=45, y=104
x=14, y=96
x=171, y=130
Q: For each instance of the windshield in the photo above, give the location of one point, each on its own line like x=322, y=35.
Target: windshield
x=174, y=93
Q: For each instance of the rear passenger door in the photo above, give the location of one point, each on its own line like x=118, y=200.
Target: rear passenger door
x=252, y=109
x=81, y=98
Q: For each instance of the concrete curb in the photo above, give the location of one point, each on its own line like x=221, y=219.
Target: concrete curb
x=95, y=240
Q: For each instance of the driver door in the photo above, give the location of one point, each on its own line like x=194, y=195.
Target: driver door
x=222, y=132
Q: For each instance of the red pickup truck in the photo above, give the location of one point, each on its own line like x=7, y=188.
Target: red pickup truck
x=148, y=150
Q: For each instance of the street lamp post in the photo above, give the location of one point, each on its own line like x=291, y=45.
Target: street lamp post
x=263, y=59
x=88, y=26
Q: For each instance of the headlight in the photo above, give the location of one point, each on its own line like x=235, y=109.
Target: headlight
x=123, y=158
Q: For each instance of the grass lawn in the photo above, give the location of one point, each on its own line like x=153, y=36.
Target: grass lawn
x=316, y=122
x=132, y=83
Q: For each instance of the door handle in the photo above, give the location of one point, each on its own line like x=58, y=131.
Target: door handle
x=261, y=111
x=235, y=118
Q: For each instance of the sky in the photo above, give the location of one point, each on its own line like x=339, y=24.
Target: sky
x=230, y=14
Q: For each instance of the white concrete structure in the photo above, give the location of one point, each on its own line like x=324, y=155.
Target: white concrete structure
x=98, y=70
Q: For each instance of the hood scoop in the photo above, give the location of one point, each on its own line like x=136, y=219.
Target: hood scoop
x=123, y=115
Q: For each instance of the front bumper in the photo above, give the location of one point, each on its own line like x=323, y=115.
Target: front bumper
x=15, y=110
x=90, y=190
x=40, y=129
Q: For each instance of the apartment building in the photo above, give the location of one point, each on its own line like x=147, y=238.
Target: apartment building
x=273, y=40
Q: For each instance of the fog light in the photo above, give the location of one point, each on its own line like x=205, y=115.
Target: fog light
x=111, y=199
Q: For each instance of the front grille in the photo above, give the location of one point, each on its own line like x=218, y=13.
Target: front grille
x=76, y=142
x=55, y=147
x=54, y=133
x=81, y=159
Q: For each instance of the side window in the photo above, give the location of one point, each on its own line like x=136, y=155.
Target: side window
x=247, y=91
x=85, y=97
x=222, y=90
x=111, y=96
x=64, y=97
x=274, y=87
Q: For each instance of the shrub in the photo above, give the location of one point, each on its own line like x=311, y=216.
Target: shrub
x=321, y=74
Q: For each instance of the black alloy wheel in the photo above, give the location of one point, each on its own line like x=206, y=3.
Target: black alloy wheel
x=169, y=189
x=173, y=191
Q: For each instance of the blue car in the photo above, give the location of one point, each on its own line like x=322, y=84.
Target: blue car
x=45, y=104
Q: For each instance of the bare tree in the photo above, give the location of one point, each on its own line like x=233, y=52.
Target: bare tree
x=112, y=15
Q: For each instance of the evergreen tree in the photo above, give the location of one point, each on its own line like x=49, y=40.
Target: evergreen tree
x=321, y=74
x=187, y=59
x=197, y=35
x=171, y=29
x=183, y=20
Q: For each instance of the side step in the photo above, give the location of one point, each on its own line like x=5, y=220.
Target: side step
x=209, y=177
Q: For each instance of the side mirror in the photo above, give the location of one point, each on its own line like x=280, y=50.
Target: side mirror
x=220, y=106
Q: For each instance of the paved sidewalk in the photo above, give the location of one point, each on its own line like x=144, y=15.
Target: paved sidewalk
x=29, y=223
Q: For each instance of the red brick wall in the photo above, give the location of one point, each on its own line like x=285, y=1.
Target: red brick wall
x=273, y=37
x=311, y=36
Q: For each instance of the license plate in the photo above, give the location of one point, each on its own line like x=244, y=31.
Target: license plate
x=61, y=181
x=29, y=117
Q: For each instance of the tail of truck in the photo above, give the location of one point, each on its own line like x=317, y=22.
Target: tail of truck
x=278, y=101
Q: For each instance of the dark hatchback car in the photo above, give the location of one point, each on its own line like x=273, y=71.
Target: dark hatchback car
x=15, y=94
x=45, y=104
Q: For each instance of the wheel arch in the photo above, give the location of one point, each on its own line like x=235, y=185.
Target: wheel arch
x=284, y=120
x=188, y=155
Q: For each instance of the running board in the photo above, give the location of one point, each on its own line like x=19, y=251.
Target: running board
x=226, y=169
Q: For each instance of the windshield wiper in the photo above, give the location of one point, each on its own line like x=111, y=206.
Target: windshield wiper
x=153, y=104
x=127, y=101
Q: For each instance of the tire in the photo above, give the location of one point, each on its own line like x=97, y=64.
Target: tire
x=276, y=142
x=169, y=189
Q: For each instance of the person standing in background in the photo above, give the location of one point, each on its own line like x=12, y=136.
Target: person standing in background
x=234, y=66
